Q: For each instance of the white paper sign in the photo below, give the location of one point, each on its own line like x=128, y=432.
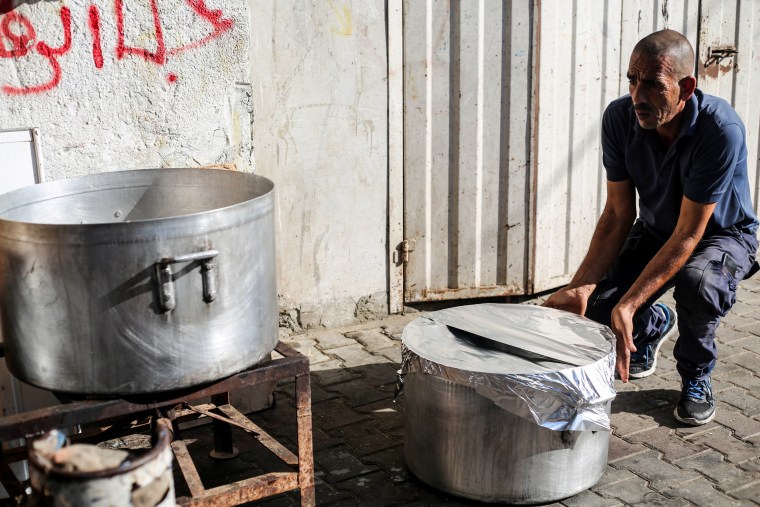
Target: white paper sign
x=18, y=160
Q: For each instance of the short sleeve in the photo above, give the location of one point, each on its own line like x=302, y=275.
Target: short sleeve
x=614, y=141
x=715, y=156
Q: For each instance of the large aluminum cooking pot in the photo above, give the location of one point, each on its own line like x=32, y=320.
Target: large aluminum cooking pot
x=507, y=403
x=463, y=443
x=137, y=281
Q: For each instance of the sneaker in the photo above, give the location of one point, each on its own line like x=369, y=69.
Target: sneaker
x=697, y=406
x=644, y=360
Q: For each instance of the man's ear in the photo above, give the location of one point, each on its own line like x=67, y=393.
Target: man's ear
x=687, y=86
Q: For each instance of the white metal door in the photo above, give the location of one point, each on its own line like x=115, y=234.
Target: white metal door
x=466, y=136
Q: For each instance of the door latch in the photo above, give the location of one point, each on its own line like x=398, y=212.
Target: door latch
x=717, y=54
x=407, y=247
x=404, y=248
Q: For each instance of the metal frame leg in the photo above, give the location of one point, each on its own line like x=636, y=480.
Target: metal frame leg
x=223, y=447
x=305, y=444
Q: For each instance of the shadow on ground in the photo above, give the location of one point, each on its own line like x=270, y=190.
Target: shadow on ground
x=358, y=443
x=661, y=401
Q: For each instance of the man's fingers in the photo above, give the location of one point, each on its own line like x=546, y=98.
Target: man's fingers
x=569, y=300
x=625, y=343
x=621, y=363
x=623, y=372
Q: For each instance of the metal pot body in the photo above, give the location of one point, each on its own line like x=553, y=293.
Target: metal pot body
x=137, y=281
x=460, y=442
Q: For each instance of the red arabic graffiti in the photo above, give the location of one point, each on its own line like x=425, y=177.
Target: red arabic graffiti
x=23, y=42
x=158, y=56
x=93, y=21
x=18, y=38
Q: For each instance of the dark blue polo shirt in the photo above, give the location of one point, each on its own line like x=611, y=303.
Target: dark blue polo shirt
x=707, y=163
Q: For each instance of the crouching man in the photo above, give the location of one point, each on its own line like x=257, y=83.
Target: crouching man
x=684, y=152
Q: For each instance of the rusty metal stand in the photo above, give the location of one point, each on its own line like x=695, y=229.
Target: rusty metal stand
x=292, y=364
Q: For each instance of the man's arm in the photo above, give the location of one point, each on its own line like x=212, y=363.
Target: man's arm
x=609, y=236
x=690, y=227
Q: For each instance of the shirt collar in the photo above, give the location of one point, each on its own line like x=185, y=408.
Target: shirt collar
x=690, y=114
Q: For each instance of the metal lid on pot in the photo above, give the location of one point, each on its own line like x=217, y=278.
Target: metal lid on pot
x=508, y=338
x=548, y=365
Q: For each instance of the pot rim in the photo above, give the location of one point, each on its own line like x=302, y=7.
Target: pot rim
x=51, y=190
x=195, y=223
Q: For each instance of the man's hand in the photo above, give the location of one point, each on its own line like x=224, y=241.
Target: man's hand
x=572, y=300
x=622, y=326
x=690, y=227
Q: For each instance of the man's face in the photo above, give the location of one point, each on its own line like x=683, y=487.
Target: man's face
x=654, y=90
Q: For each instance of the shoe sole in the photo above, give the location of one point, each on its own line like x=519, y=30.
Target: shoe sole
x=694, y=422
x=665, y=338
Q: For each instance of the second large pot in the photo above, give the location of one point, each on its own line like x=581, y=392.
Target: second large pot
x=507, y=403
x=460, y=442
x=137, y=281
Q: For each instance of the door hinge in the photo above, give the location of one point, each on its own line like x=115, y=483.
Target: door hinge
x=402, y=251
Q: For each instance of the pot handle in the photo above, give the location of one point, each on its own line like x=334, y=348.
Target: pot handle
x=167, y=300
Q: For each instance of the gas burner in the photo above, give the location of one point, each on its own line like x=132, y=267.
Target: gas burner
x=168, y=410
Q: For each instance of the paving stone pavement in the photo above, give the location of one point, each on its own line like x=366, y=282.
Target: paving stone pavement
x=653, y=459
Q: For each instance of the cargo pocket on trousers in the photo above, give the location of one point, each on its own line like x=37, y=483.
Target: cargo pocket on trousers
x=718, y=287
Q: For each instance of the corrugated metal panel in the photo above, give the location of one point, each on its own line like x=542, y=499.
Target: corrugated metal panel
x=642, y=17
x=395, y=155
x=583, y=57
x=575, y=54
x=466, y=127
x=736, y=79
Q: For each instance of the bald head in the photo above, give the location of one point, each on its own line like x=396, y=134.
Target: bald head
x=669, y=45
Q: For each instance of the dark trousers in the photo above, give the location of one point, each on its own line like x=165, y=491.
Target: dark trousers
x=705, y=290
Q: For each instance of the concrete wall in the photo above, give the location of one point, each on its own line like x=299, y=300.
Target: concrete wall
x=293, y=90
x=319, y=79
x=124, y=84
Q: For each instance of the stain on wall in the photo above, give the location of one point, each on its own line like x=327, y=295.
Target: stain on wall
x=319, y=72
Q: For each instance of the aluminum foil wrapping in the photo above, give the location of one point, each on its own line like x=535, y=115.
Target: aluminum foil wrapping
x=548, y=365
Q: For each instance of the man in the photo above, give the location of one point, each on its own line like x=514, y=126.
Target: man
x=684, y=152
